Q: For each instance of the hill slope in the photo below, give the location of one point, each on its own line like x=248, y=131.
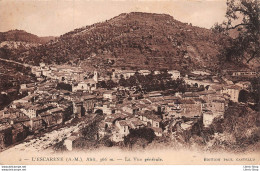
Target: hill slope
x=22, y=36
x=15, y=42
x=142, y=40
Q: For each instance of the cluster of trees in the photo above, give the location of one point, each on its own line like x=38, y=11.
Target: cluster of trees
x=147, y=83
x=59, y=146
x=88, y=137
x=240, y=123
x=244, y=17
x=90, y=131
x=139, y=137
x=238, y=130
x=4, y=100
x=64, y=86
x=252, y=95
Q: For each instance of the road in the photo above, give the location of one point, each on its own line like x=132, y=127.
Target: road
x=15, y=62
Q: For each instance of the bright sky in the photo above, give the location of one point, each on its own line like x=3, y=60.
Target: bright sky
x=56, y=17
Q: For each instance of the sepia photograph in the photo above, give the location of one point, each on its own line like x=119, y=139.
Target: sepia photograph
x=130, y=82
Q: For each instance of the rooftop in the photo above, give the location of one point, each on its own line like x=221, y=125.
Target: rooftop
x=155, y=129
x=233, y=87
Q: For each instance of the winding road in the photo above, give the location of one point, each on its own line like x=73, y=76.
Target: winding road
x=15, y=62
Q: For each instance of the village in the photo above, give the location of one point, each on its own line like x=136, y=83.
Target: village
x=63, y=93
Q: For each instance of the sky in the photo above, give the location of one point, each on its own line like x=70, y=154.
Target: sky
x=56, y=17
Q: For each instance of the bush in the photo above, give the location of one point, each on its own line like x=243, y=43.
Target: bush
x=59, y=146
x=141, y=137
x=106, y=141
x=90, y=131
x=64, y=86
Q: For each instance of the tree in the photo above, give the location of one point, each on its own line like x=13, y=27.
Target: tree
x=90, y=131
x=122, y=82
x=60, y=146
x=244, y=16
x=106, y=141
x=64, y=86
x=243, y=96
x=256, y=92
x=242, y=122
x=218, y=28
x=111, y=84
x=140, y=137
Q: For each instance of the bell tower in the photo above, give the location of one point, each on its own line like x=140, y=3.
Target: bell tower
x=95, y=78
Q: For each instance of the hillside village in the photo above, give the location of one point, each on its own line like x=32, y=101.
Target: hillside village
x=136, y=80
x=123, y=98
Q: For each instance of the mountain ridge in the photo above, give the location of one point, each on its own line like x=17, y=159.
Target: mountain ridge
x=23, y=36
x=134, y=40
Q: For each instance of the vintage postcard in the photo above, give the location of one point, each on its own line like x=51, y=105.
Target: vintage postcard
x=95, y=82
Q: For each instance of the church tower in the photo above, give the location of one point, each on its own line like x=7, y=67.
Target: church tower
x=95, y=78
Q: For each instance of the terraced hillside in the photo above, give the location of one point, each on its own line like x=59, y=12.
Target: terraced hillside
x=141, y=40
